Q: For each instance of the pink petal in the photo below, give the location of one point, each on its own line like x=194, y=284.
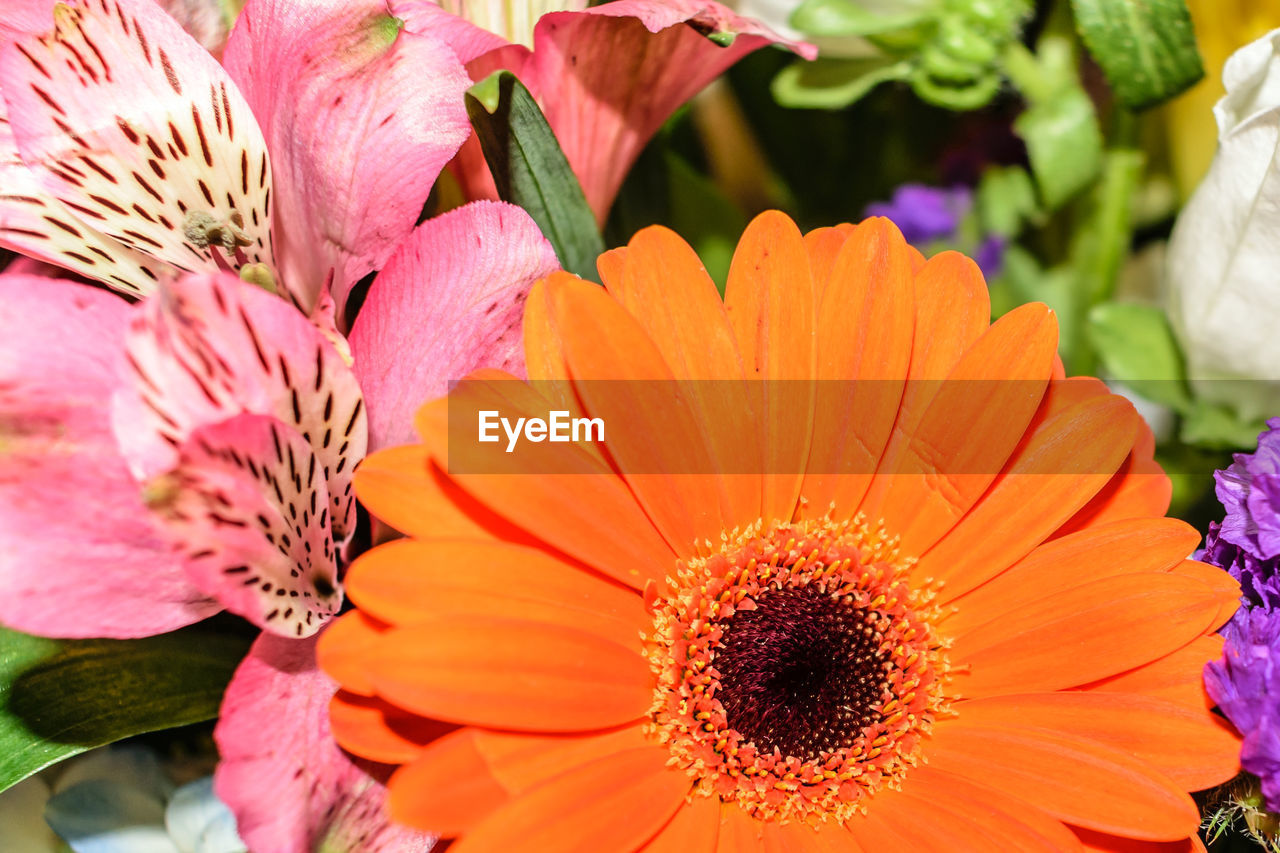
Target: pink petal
x=35, y=223
x=79, y=553
x=448, y=302
x=608, y=77
x=360, y=117
x=466, y=39
x=250, y=512
x=207, y=21
x=291, y=788
x=211, y=347
x=137, y=129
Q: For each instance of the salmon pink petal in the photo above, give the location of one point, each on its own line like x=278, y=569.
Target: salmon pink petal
x=581, y=809
x=210, y=347
x=466, y=39
x=360, y=116
x=80, y=555
x=609, y=76
x=448, y=301
x=35, y=223
x=248, y=509
x=291, y=788
x=140, y=132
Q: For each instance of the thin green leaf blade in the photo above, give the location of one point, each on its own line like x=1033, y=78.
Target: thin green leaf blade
x=60, y=698
x=1137, y=347
x=1147, y=50
x=531, y=171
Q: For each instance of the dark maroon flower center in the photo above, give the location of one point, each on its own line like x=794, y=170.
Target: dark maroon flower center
x=801, y=672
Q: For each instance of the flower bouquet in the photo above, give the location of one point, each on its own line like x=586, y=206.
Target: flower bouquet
x=648, y=425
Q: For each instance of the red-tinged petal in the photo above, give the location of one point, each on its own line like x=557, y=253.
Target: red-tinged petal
x=80, y=555
x=291, y=788
x=608, y=77
x=506, y=673
x=247, y=507
x=1076, y=780
x=448, y=301
x=360, y=117
x=579, y=810
x=137, y=129
x=210, y=347
x=35, y=223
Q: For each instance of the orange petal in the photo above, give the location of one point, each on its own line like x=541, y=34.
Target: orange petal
x=865, y=325
x=404, y=488
x=622, y=378
x=410, y=582
x=1075, y=780
x=939, y=472
x=344, y=649
x=564, y=508
x=1218, y=579
x=616, y=803
x=964, y=818
x=1194, y=748
x=694, y=828
x=1122, y=547
x=1139, y=488
x=522, y=762
x=1013, y=823
x=379, y=731
x=511, y=674
x=666, y=289
x=738, y=830
x=1103, y=843
x=448, y=789
x=612, y=266
x=874, y=832
x=1059, y=466
x=1083, y=634
x=803, y=838
x=771, y=302
x=544, y=351
x=823, y=245
x=1176, y=676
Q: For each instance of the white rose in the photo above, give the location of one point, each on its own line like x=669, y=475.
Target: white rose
x=1223, y=274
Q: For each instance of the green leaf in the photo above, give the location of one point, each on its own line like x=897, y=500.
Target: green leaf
x=832, y=84
x=1137, y=347
x=530, y=170
x=843, y=18
x=1006, y=199
x=63, y=697
x=1064, y=144
x=1147, y=50
x=1209, y=425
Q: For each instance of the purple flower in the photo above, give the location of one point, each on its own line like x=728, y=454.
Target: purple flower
x=1244, y=684
x=1250, y=491
x=1259, y=579
x=927, y=214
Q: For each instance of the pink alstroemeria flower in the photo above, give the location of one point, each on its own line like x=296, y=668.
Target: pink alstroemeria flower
x=193, y=452
x=606, y=77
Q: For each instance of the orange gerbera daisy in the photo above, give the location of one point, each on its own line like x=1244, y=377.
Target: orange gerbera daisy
x=935, y=616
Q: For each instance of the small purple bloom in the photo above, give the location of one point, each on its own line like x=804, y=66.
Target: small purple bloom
x=928, y=214
x=1250, y=491
x=1243, y=684
x=925, y=213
